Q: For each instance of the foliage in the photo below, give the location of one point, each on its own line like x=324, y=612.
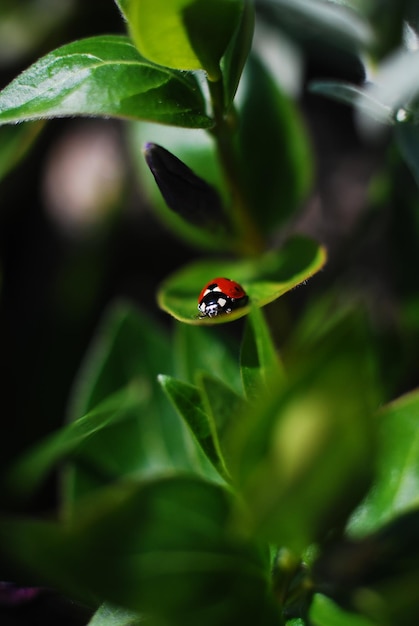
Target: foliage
x=202, y=480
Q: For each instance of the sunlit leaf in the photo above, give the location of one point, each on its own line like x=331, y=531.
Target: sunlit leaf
x=183, y=34
x=103, y=76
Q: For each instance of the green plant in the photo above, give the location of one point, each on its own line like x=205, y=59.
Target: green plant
x=203, y=482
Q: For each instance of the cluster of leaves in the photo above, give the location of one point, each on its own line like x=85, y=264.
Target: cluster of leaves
x=201, y=483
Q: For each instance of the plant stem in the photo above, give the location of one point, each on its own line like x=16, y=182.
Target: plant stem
x=248, y=239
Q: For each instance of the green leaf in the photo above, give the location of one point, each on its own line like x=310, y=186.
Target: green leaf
x=225, y=408
x=396, y=486
x=223, y=403
x=327, y=22
x=130, y=349
x=347, y=93
x=326, y=316
x=108, y=615
x=183, y=34
x=275, y=153
x=188, y=402
x=302, y=456
x=199, y=349
x=260, y=362
x=237, y=52
x=117, y=414
x=389, y=97
x=358, y=97
x=265, y=279
x=15, y=141
x=207, y=362
x=163, y=548
x=103, y=76
x=324, y=612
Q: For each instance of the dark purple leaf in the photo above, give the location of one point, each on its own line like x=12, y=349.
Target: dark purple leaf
x=185, y=193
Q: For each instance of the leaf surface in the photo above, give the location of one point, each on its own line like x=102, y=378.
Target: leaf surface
x=130, y=350
x=183, y=34
x=264, y=280
x=103, y=76
x=396, y=486
x=199, y=349
x=259, y=361
x=275, y=152
x=188, y=401
x=108, y=615
x=324, y=612
x=117, y=413
x=194, y=147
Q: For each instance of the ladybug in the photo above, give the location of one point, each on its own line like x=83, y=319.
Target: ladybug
x=221, y=295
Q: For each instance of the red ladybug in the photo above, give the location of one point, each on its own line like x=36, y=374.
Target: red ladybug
x=221, y=295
